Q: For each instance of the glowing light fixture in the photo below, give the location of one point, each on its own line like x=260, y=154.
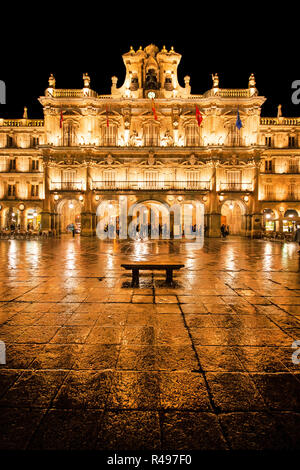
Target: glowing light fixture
x=71, y=205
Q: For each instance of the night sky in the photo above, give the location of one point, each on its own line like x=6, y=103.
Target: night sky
x=26, y=78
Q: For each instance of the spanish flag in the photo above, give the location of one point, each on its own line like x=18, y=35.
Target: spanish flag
x=154, y=110
x=198, y=116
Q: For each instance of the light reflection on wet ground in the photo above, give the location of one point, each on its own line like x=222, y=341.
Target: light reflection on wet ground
x=93, y=363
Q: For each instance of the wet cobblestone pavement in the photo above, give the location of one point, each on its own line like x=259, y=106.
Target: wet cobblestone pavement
x=94, y=364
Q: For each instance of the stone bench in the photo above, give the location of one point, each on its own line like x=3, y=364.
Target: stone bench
x=137, y=267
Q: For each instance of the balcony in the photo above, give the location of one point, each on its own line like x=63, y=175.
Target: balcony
x=273, y=197
x=235, y=187
x=151, y=185
x=66, y=186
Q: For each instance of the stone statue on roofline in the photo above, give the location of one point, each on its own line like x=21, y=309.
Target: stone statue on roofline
x=51, y=81
x=215, y=79
x=86, y=80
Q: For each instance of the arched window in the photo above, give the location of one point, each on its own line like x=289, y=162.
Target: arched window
x=151, y=135
x=192, y=136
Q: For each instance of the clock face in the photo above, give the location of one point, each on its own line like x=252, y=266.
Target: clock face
x=151, y=95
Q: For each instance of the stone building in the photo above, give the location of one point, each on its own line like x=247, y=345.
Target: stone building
x=150, y=140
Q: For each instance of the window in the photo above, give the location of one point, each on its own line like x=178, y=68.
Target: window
x=9, y=141
x=109, y=179
x=233, y=180
x=234, y=138
x=12, y=164
x=34, y=190
x=192, y=138
x=151, y=135
x=34, y=141
x=69, y=180
x=268, y=166
x=268, y=141
x=151, y=179
x=291, y=192
x=34, y=165
x=292, y=141
x=268, y=192
x=293, y=166
x=69, y=134
x=109, y=135
x=11, y=190
x=192, y=179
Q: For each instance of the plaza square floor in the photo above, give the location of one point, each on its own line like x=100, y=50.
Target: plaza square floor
x=93, y=364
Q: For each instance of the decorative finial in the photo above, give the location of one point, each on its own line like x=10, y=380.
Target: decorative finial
x=164, y=49
x=172, y=49
x=279, y=111
x=132, y=50
x=25, y=115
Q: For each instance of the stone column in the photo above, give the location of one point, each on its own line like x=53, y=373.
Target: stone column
x=257, y=218
x=22, y=220
x=46, y=213
x=87, y=225
x=214, y=216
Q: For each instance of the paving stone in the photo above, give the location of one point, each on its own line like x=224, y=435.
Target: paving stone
x=205, y=364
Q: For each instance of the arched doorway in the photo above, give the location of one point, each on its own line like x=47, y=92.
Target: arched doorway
x=290, y=220
x=151, y=219
x=12, y=219
x=33, y=219
x=108, y=219
x=233, y=215
x=69, y=211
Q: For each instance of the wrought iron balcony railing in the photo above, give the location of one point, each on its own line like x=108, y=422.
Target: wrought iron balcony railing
x=231, y=187
x=66, y=186
x=281, y=198
x=151, y=185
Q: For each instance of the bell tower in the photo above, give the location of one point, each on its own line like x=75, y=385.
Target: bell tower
x=151, y=73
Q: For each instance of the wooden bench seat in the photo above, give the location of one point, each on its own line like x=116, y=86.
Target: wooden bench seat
x=137, y=267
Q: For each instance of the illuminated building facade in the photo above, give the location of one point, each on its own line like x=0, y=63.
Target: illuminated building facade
x=145, y=142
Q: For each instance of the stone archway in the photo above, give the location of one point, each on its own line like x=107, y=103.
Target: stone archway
x=151, y=218
x=69, y=211
x=233, y=215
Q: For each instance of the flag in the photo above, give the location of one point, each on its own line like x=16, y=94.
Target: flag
x=61, y=119
x=107, y=118
x=154, y=110
x=198, y=116
x=238, y=120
